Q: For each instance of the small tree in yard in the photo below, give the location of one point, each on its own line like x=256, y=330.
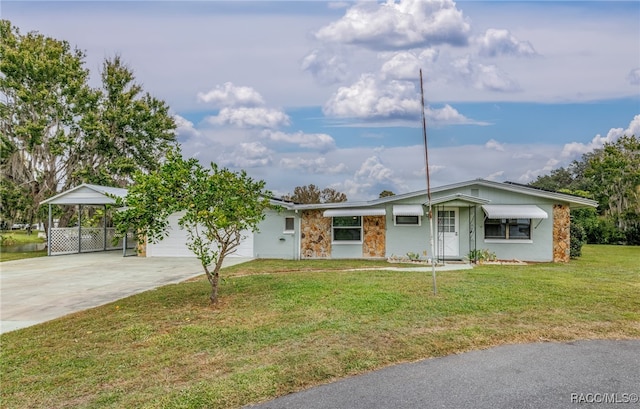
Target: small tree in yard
x=217, y=205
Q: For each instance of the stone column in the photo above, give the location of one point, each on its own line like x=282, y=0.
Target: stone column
x=315, y=235
x=561, y=233
x=374, y=236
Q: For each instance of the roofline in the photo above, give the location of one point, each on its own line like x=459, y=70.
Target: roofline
x=95, y=188
x=577, y=201
x=581, y=201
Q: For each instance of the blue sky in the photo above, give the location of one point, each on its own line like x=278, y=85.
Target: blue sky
x=328, y=93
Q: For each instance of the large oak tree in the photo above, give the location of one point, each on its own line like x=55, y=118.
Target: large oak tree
x=57, y=131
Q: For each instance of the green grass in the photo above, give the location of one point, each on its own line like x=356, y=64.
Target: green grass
x=20, y=237
x=4, y=256
x=284, y=326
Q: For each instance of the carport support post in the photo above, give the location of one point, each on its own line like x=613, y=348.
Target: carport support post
x=49, y=232
x=104, y=226
x=79, y=228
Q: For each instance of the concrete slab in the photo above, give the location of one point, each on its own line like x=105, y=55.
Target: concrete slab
x=36, y=290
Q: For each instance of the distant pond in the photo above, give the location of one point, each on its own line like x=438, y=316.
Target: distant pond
x=23, y=248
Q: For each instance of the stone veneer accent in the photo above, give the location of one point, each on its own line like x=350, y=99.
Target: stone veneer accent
x=561, y=233
x=374, y=236
x=315, y=235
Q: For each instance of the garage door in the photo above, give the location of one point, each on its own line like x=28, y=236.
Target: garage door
x=175, y=244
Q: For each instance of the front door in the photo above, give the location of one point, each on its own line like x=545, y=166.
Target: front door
x=448, y=237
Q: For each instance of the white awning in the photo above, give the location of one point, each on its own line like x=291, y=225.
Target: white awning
x=353, y=212
x=408, y=210
x=514, y=212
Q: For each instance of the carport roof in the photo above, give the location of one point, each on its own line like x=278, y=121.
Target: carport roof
x=87, y=194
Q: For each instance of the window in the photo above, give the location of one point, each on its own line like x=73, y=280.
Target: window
x=408, y=220
x=289, y=224
x=348, y=228
x=446, y=221
x=507, y=229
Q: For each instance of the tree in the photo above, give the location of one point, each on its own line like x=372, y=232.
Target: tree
x=560, y=178
x=311, y=194
x=57, y=132
x=386, y=193
x=126, y=131
x=610, y=175
x=43, y=87
x=614, y=175
x=218, y=205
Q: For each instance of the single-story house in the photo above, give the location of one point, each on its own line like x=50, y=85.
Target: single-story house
x=513, y=221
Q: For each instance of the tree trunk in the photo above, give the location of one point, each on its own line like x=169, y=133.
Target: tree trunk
x=214, y=288
x=214, y=279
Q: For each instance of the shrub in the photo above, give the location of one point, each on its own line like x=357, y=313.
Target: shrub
x=578, y=238
x=481, y=255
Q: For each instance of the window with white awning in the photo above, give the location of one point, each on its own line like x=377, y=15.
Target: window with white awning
x=408, y=210
x=514, y=212
x=407, y=215
x=511, y=222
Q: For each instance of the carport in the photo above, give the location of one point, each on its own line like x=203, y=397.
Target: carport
x=68, y=240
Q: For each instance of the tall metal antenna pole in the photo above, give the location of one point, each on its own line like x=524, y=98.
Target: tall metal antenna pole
x=426, y=160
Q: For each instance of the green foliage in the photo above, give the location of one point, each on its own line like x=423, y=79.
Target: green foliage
x=130, y=129
x=413, y=256
x=481, y=255
x=611, y=176
x=578, y=238
x=44, y=88
x=216, y=207
x=312, y=194
x=57, y=132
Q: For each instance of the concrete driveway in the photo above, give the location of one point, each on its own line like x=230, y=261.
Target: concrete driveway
x=583, y=374
x=40, y=289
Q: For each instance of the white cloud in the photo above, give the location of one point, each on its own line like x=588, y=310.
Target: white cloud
x=484, y=77
x=229, y=95
x=396, y=25
x=448, y=115
x=369, y=98
x=338, y=4
x=371, y=178
x=497, y=42
x=247, y=155
x=313, y=165
x=406, y=65
x=250, y=118
x=185, y=128
x=327, y=66
x=495, y=145
x=321, y=142
x=532, y=174
x=494, y=175
x=576, y=149
x=634, y=76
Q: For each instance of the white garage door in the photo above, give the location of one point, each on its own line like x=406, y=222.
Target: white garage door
x=174, y=245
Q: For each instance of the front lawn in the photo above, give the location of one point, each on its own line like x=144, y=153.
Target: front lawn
x=284, y=326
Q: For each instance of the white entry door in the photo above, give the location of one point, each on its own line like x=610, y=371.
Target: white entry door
x=448, y=228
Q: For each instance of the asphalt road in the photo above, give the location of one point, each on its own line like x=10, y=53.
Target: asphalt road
x=584, y=374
